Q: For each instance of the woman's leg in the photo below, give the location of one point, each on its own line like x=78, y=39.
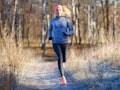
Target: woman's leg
x=58, y=51
x=64, y=48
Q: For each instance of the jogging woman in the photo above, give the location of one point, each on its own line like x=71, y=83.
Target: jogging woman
x=59, y=30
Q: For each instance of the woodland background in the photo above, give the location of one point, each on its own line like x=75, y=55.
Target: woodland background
x=23, y=29
x=94, y=21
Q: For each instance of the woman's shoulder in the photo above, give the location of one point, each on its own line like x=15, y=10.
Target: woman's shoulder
x=66, y=18
x=53, y=19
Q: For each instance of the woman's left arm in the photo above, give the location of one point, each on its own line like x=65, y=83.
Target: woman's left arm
x=50, y=36
x=69, y=26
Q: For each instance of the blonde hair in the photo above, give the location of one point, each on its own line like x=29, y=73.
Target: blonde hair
x=66, y=11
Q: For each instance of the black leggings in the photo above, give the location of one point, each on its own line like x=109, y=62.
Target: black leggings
x=61, y=52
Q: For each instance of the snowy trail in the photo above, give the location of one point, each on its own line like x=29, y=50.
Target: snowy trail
x=45, y=76
x=41, y=75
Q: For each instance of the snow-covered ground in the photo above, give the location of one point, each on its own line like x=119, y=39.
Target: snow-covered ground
x=94, y=75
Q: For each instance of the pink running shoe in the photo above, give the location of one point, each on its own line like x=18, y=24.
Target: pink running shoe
x=63, y=79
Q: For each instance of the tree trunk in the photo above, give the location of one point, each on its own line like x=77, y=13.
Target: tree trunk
x=114, y=21
x=104, y=21
x=93, y=23
x=97, y=27
x=6, y=14
x=107, y=20
x=6, y=11
x=76, y=24
x=73, y=22
x=44, y=26
x=79, y=31
x=0, y=25
x=28, y=27
x=13, y=22
x=89, y=24
x=19, y=32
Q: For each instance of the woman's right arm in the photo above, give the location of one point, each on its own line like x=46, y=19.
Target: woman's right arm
x=50, y=31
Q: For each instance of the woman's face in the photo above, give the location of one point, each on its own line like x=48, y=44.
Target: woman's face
x=59, y=11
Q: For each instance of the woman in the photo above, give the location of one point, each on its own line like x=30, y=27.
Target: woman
x=59, y=30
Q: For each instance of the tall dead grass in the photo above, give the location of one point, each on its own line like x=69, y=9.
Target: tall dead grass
x=109, y=53
x=12, y=60
x=80, y=62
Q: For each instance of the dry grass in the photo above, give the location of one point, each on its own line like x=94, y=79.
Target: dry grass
x=12, y=60
x=80, y=62
x=109, y=52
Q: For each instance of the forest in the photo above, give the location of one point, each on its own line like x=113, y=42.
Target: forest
x=24, y=28
x=94, y=21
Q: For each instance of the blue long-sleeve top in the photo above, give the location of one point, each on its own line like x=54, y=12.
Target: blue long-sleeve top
x=59, y=30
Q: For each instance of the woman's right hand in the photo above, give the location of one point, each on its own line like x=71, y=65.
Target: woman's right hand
x=64, y=33
x=50, y=38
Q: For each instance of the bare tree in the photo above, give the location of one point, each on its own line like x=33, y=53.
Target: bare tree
x=107, y=20
x=73, y=21
x=89, y=23
x=93, y=22
x=114, y=20
x=76, y=22
x=6, y=11
x=44, y=26
x=79, y=31
x=28, y=22
x=103, y=12
x=19, y=32
x=14, y=16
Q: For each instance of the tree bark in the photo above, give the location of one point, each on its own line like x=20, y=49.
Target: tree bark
x=114, y=21
x=6, y=11
x=107, y=20
x=44, y=26
x=14, y=16
x=93, y=23
x=89, y=23
x=73, y=22
x=19, y=32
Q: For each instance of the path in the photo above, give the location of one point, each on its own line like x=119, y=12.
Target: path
x=42, y=75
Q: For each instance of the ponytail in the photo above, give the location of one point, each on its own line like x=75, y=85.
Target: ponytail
x=66, y=11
